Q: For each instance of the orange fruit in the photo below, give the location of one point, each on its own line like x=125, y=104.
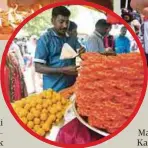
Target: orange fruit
x=36, y=121
x=36, y=127
x=36, y=113
x=46, y=127
x=40, y=132
x=30, y=124
x=27, y=107
x=44, y=116
x=30, y=117
x=45, y=111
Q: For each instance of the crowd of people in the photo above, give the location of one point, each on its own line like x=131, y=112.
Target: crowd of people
x=39, y=57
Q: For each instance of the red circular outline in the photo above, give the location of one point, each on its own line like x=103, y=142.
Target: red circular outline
x=4, y=60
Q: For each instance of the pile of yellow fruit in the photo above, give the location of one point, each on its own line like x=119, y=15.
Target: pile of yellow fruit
x=40, y=111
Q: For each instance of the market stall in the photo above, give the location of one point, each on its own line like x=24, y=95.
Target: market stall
x=113, y=84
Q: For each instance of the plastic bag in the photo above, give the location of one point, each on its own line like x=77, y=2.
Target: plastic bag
x=76, y=133
x=68, y=52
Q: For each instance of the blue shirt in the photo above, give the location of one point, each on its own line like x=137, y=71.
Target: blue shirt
x=122, y=45
x=48, y=52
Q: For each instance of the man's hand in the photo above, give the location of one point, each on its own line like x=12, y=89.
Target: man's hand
x=81, y=51
x=141, y=6
x=70, y=70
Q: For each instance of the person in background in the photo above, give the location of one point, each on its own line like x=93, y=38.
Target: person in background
x=95, y=42
x=145, y=27
x=127, y=15
x=31, y=45
x=122, y=43
x=141, y=6
x=109, y=41
x=16, y=49
x=57, y=74
x=72, y=29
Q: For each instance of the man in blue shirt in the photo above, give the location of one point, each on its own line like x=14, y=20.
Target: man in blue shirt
x=122, y=43
x=57, y=74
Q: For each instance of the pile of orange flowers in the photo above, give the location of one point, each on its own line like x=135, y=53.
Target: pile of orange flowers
x=108, y=88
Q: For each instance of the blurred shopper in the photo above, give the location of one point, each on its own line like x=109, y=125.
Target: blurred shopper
x=72, y=29
x=95, y=42
x=141, y=6
x=122, y=43
x=31, y=45
x=146, y=38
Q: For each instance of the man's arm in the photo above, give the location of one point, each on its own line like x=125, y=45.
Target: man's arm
x=44, y=69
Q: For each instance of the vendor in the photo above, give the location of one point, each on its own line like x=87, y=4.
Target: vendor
x=57, y=74
x=95, y=42
x=122, y=43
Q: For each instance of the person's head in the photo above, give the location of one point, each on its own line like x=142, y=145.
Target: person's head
x=33, y=39
x=24, y=39
x=103, y=27
x=60, y=19
x=123, y=31
x=72, y=29
x=15, y=40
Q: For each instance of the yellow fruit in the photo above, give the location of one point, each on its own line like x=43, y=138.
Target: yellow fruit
x=58, y=97
x=59, y=115
x=40, y=132
x=63, y=101
x=18, y=103
x=41, y=96
x=41, y=123
x=36, y=113
x=57, y=121
x=36, y=121
x=45, y=111
x=43, y=116
x=54, y=105
x=32, y=110
x=24, y=120
x=45, y=105
x=49, y=102
x=46, y=127
x=22, y=113
x=33, y=104
x=52, y=117
x=54, y=100
x=49, y=94
x=36, y=127
x=39, y=107
x=39, y=101
x=27, y=107
x=14, y=106
x=18, y=109
x=30, y=124
x=53, y=110
x=30, y=117
x=59, y=107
